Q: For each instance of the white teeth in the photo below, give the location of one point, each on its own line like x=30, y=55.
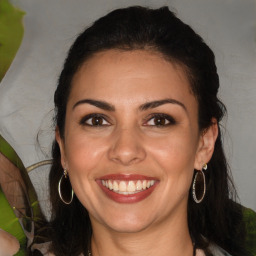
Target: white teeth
x=110, y=186
x=131, y=186
x=115, y=186
x=127, y=187
x=139, y=185
x=122, y=186
x=144, y=184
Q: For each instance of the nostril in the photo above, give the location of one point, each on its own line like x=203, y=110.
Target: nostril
x=127, y=149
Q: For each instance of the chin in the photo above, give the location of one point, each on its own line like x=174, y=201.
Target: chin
x=128, y=227
x=130, y=223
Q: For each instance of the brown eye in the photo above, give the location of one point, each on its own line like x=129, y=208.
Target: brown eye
x=94, y=120
x=160, y=120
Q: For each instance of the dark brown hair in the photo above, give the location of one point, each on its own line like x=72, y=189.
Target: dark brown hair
x=218, y=219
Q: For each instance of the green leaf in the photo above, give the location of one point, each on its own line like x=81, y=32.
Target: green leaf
x=11, y=34
x=27, y=196
x=250, y=222
x=10, y=223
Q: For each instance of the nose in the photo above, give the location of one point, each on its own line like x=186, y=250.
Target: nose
x=127, y=147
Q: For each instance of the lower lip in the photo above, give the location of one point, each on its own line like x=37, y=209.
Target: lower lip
x=127, y=199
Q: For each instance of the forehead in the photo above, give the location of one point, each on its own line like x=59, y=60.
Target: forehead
x=117, y=71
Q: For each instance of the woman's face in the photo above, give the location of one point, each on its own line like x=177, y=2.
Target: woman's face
x=131, y=140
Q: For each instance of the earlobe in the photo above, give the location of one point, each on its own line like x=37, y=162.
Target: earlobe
x=60, y=141
x=206, y=145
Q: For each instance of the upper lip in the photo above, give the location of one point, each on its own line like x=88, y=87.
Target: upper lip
x=126, y=177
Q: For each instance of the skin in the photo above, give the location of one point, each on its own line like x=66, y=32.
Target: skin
x=128, y=141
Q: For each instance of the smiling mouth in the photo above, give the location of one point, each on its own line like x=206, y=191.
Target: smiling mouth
x=128, y=187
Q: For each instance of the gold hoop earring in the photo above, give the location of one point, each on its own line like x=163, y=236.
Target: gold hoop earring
x=199, y=185
x=64, y=184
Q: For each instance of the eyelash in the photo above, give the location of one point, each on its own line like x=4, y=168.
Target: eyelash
x=104, y=122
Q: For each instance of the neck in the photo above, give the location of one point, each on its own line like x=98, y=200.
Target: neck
x=162, y=239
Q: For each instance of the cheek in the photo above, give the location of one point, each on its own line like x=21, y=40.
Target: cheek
x=174, y=151
x=83, y=154
x=175, y=156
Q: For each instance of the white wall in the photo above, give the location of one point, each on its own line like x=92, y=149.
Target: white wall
x=26, y=93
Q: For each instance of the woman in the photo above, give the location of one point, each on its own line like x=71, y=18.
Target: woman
x=138, y=137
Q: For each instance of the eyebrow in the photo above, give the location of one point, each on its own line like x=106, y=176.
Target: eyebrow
x=148, y=105
x=97, y=103
x=157, y=103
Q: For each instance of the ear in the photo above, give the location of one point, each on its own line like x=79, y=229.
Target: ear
x=206, y=145
x=61, y=143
